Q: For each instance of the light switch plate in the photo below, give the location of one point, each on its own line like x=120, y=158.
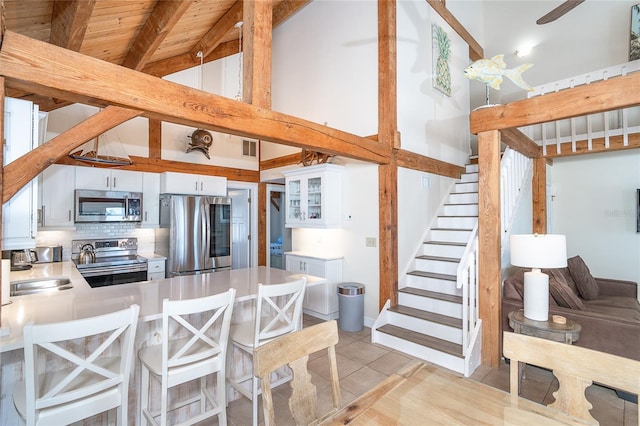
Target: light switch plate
x=370, y=242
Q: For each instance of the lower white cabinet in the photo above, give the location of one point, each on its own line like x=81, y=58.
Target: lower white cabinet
x=155, y=269
x=320, y=300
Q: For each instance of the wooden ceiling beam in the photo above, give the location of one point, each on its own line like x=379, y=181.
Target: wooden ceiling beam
x=520, y=142
x=212, y=38
x=285, y=9
x=413, y=161
x=163, y=18
x=56, y=72
x=605, y=95
x=69, y=22
x=184, y=61
x=22, y=170
x=475, y=50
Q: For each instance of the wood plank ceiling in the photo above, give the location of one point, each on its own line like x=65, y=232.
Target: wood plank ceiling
x=158, y=37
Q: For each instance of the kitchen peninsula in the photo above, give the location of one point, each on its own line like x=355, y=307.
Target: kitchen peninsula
x=83, y=301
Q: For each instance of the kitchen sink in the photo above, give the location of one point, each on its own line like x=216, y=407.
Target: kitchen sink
x=39, y=285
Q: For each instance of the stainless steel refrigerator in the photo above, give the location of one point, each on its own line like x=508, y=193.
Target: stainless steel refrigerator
x=194, y=233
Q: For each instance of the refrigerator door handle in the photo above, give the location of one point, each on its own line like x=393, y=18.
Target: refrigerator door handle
x=206, y=235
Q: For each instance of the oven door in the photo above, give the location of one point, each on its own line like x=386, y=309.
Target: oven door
x=114, y=275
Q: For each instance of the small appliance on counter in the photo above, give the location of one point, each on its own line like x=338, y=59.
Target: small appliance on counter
x=48, y=254
x=22, y=260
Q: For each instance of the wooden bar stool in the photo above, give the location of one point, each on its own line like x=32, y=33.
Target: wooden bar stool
x=278, y=312
x=195, y=333
x=94, y=383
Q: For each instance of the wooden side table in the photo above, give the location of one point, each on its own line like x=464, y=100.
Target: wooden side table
x=563, y=333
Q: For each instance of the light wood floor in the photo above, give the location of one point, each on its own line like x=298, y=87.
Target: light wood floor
x=362, y=365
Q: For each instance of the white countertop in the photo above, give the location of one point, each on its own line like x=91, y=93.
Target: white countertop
x=83, y=301
x=314, y=255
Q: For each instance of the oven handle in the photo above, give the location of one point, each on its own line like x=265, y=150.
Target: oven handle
x=110, y=270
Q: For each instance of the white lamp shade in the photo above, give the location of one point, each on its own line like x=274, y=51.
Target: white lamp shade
x=538, y=250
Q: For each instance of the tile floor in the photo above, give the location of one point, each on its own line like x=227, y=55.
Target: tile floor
x=362, y=365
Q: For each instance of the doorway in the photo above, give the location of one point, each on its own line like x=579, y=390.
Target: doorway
x=241, y=228
x=278, y=236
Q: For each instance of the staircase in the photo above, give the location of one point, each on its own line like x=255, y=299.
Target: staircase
x=436, y=315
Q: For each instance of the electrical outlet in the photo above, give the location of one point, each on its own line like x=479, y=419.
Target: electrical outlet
x=370, y=242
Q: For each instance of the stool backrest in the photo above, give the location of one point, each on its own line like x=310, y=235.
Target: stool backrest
x=104, y=370
x=195, y=330
x=293, y=349
x=278, y=310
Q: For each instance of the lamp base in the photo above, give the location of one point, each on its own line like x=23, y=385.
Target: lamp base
x=536, y=295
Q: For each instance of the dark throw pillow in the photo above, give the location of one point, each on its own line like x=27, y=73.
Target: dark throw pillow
x=587, y=285
x=561, y=292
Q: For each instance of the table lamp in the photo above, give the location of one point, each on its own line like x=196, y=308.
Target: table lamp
x=538, y=251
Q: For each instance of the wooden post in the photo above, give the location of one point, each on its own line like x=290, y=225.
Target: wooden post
x=539, y=194
x=489, y=245
x=256, y=32
x=388, y=135
x=262, y=224
x=155, y=139
x=2, y=165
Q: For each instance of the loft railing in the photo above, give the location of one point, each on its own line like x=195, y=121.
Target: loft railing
x=602, y=126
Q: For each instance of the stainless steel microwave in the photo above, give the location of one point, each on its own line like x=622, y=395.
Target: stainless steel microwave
x=107, y=206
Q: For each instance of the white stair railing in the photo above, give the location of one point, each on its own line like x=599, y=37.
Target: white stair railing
x=467, y=280
x=515, y=170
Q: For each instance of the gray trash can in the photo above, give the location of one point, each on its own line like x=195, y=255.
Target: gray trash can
x=350, y=306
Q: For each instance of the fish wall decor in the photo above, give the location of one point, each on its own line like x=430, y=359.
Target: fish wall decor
x=490, y=72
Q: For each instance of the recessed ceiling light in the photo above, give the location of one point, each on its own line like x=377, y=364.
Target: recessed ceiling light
x=523, y=51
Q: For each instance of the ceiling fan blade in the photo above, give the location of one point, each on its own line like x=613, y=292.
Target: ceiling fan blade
x=559, y=11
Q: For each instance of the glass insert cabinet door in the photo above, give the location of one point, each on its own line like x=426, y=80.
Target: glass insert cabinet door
x=294, y=212
x=314, y=198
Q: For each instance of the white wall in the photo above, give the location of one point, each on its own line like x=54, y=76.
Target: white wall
x=595, y=207
x=592, y=36
x=330, y=76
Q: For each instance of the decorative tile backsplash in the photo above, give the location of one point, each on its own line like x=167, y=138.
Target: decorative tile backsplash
x=146, y=237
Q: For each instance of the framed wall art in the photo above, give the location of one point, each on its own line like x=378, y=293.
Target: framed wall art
x=634, y=41
x=441, y=53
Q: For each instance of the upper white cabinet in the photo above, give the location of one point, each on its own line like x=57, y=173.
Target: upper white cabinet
x=19, y=219
x=108, y=179
x=151, y=200
x=314, y=196
x=56, y=197
x=188, y=184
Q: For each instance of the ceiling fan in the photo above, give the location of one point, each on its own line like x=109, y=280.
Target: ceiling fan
x=559, y=11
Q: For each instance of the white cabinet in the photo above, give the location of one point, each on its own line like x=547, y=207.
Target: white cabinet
x=55, y=186
x=188, y=184
x=314, y=197
x=151, y=200
x=320, y=300
x=108, y=180
x=155, y=268
x=19, y=219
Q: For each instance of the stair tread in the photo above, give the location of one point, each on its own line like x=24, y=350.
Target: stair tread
x=445, y=243
x=422, y=339
x=435, y=275
x=440, y=258
x=427, y=316
x=431, y=294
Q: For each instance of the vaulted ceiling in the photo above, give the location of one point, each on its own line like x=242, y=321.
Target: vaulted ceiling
x=157, y=37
